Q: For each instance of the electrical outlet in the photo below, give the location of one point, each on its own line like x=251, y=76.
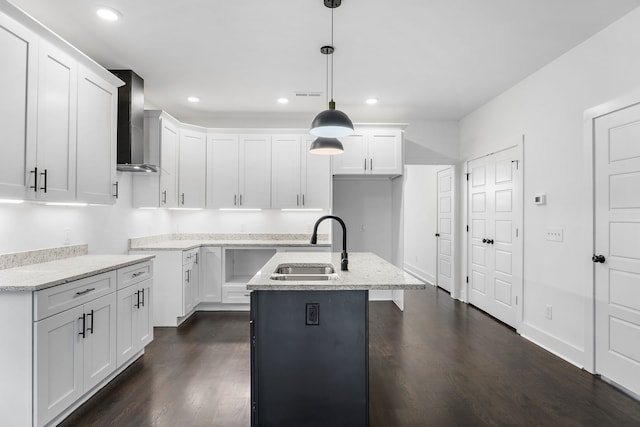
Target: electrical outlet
x=362, y=227
x=313, y=314
x=548, y=312
x=67, y=236
x=554, y=234
x=242, y=228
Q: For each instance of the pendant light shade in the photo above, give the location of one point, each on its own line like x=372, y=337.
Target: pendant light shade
x=326, y=146
x=331, y=123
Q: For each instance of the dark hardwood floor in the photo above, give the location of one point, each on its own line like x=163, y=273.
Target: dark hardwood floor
x=441, y=363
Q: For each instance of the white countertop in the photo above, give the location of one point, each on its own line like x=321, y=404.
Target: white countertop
x=183, y=245
x=367, y=271
x=35, y=277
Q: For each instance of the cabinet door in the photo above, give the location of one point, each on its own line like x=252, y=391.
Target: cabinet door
x=58, y=363
x=143, y=326
x=191, y=170
x=168, y=165
x=316, y=178
x=100, y=340
x=385, y=152
x=354, y=159
x=255, y=171
x=285, y=172
x=222, y=171
x=211, y=274
x=56, y=146
x=126, y=310
x=187, y=289
x=96, y=139
x=18, y=81
x=196, y=285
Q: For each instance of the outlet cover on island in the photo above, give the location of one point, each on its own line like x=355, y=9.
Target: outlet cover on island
x=67, y=236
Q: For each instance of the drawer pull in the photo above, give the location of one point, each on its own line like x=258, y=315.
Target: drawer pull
x=247, y=295
x=139, y=273
x=142, y=292
x=86, y=291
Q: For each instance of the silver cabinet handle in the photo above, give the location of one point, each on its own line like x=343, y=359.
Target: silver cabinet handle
x=235, y=200
x=134, y=275
x=365, y=164
x=45, y=183
x=164, y=197
x=303, y=200
x=117, y=190
x=371, y=164
x=86, y=291
x=183, y=198
x=35, y=179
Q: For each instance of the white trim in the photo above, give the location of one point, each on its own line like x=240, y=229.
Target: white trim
x=590, y=115
x=554, y=345
x=420, y=274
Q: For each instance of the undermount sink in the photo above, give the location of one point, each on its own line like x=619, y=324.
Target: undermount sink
x=304, y=272
x=304, y=269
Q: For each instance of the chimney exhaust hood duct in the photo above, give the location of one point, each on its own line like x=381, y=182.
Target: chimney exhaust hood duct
x=131, y=150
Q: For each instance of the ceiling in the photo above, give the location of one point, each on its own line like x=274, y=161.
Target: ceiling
x=428, y=59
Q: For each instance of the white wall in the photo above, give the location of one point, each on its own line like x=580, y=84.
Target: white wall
x=105, y=228
x=548, y=109
x=365, y=205
x=420, y=220
x=431, y=142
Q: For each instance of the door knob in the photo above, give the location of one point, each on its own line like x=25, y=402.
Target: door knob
x=484, y=240
x=437, y=234
x=490, y=241
x=598, y=258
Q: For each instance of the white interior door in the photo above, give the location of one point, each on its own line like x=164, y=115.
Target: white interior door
x=445, y=229
x=617, y=221
x=494, y=248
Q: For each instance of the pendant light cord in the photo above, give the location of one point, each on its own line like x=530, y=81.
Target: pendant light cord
x=332, y=54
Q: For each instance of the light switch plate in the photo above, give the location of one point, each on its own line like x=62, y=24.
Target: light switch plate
x=554, y=234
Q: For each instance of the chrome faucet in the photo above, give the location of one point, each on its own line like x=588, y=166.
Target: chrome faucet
x=344, y=259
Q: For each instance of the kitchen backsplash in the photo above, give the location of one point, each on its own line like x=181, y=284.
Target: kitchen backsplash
x=18, y=259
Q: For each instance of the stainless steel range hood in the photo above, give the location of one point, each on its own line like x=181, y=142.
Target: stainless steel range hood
x=131, y=150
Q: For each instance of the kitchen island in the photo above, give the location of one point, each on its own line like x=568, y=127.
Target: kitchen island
x=309, y=336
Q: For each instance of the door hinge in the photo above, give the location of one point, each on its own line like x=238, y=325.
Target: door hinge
x=517, y=162
x=467, y=279
x=516, y=232
x=467, y=228
x=467, y=174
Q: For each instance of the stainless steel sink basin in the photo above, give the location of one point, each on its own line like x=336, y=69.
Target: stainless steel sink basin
x=304, y=269
x=304, y=272
x=301, y=277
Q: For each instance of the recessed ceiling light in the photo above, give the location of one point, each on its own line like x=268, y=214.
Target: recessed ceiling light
x=283, y=101
x=372, y=101
x=193, y=99
x=108, y=14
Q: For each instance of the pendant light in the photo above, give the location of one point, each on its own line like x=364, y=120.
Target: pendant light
x=331, y=123
x=323, y=145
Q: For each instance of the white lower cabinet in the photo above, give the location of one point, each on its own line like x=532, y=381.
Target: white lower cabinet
x=135, y=319
x=84, y=333
x=75, y=351
x=211, y=274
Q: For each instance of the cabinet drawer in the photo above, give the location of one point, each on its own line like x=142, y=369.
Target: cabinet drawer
x=136, y=273
x=235, y=294
x=48, y=302
x=190, y=256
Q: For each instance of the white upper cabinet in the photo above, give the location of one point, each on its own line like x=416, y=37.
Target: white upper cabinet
x=58, y=114
x=239, y=171
x=222, y=171
x=370, y=152
x=285, y=171
x=168, y=164
x=96, y=143
x=299, y=179
x=192, y=169
x=161, y=137
x=315, y=177
x=18, y=82
x=255, y=171
x=56, y=138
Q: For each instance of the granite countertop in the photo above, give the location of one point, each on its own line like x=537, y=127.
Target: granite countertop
x=35, y=277
x=192, y=241
x=367, y=271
